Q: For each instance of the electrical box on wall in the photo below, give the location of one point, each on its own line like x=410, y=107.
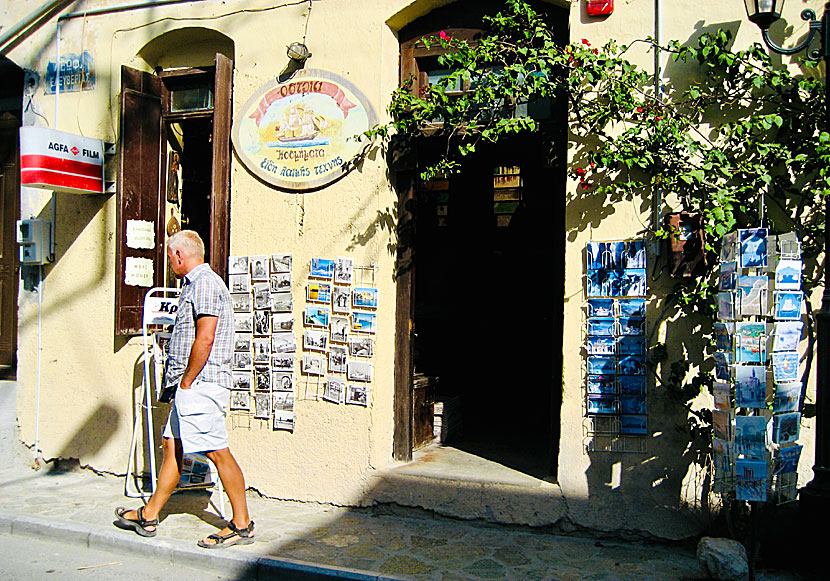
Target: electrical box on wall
x=600, y=7
x=34, y=237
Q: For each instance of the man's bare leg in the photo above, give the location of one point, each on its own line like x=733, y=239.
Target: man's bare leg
x=233, y=481
x=171, y=471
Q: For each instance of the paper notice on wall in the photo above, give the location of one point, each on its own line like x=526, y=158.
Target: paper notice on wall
x=138, y=272
x=141, y=234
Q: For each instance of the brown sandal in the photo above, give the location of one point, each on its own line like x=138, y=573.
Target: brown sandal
x=139, y=525
x=242, y=537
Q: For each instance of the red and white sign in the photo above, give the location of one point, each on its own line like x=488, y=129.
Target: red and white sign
x=63, y=162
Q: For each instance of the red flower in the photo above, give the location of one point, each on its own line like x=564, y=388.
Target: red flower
x=596, y=51
x=586, y=42
x=639, y=109
x=658, y=118
x=443, y=35
x=580, y=171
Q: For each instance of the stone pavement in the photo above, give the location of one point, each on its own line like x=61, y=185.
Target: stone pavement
x=304, y=540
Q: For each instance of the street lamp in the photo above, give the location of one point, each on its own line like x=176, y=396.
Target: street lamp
x=814, y=498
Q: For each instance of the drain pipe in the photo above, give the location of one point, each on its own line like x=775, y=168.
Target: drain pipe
x=16, y=31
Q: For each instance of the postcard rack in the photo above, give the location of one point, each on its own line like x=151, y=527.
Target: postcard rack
x=757, y=392
x=615, y=391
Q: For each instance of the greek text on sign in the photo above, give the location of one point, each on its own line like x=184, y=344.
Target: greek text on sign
x=77, y=73
x=300, y=134
x=141, y=234
x=59, y=161
x=138, y=271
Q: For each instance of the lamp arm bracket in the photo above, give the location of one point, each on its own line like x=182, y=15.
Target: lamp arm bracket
x=815, y=26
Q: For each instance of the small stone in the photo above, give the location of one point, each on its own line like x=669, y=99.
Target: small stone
x=723, y=559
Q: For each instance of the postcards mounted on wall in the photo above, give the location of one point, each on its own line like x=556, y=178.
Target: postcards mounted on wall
x=615, y=343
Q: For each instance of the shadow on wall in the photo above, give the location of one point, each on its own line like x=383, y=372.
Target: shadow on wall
x=91, y=436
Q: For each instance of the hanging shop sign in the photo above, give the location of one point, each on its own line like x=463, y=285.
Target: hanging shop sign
x=300, y=134
x=62, y=162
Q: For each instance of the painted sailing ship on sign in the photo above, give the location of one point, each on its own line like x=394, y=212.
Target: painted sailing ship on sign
x=301, y=134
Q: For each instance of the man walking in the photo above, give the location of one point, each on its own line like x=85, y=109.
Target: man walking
x=199, y=360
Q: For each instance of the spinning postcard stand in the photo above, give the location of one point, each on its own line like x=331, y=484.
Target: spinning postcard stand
x=160, y=306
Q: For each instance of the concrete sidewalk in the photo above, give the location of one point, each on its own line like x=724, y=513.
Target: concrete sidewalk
x=304, y=540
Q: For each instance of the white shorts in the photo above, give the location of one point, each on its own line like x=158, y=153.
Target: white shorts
x=197, y=417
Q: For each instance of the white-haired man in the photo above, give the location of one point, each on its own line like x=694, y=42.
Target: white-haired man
x=199, y=361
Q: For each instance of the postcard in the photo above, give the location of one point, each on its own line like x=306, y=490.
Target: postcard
x=788, y=304
x=722, y=393
x=242, y=341
x=337, y=359
x=364, y=322
x=634, y=283
x=262, y=295
x=600, y=307
x=602, y=326
x=262, y=405
x=785, y=366
x=631, y=325
x=722, y=424
x=357, y=395
x=787, y=397
x=359, y=371
x=322, y=268
x=243, y=361
x=280, y=282
x=601, y=345
x=632, y=307
x=240, y=400
x=283, y=343
x=722, y=333
x=282, y=322
x=788, y=275
x=259, y=267
x=635, y=425
x=631, y=345
x=635, y=254
x=316, y=317
x=242, y=302
x=283, y=401
x=339, y=329
x=728, y=276
x=750, y=386
x=722, y=447
x=340, y=299
x=239, y=283
x=750, y=436
x=632, y=365
x=752, y=295
x=788, y=246
x=595, y=284
x=726, y=306
x=751, y=480
x=282, y=361
x=753, y=247
x=262, y=350
x=602, y=405
x=318, y=292
x=262, y=378
x=361, y=346
x=594, y=255
x=602, y=385
x=601, y=365
x=723, y=362
x=785, y=427
x=729, y=249
x=343, y=268
x=281, y=262
x=750, y=342
x=615, y=253
x=312, y=365
x=242, y=380
x=282, y=302
x=632, y=384
x=633, y=404
x=284, y=421
x=262, y=322
x=282, y=381
x=787, y=335
x=334, y=391
x=238, y=265
x=315, y=340
x=365, y=298
x=786, y=459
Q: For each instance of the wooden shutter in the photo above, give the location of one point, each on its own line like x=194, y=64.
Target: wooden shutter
x=220, y=191
x=140, y=187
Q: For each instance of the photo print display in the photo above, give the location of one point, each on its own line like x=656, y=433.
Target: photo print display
x=787, y=397
x=600, y=308
x=632, y=325
x=239, y=283
x=283, y=343
x=318, y=292
x=751, y=480
x=282, y=361
x=282, y=303
x=750, y=436
x=262, y=350
x=632, y=365
x=282, y=322
x=312, y=365
x=243, y=361
x=242, y=380
x=750, y=342
x=601, y=345
x=242, y=302
x=752, y=295
x=316, y=316
x=315, y=340
x=787, y=335
x=281, y=263
x=334, y=391
x=726, y=306
x=339, y=329
x=282, y=381
x=785, y=427
x=632, y=307
x=259, y=267
x=283, y=410
x=359, y=371
x=602, y=385
x=602, y=326
x=722, y=333
x=364, y=322
x=262, y=322
x=633, y=404
x=602, y=365
x=243, y=342
x=632, y=384
x=728, y=276
x=340, y=299
x=280, y=282
x=360, y=346
x=750, y=386
x=262, y=378
x=337, y=359
x=786, y=459
x=365, y=298
x=788, y=304
x=723, y=365
x=262, y=406
x=240, y=400
x=602, y=405
x=788, y=275
x=238, y=265
x=262, y=295
x=785, y=366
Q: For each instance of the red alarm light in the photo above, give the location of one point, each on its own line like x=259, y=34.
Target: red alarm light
x=600, y=7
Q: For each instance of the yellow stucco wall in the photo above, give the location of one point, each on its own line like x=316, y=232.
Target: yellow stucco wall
x=90, y=378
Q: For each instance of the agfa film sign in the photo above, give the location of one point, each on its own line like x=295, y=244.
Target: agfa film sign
x=300, y=134
x=59, y=161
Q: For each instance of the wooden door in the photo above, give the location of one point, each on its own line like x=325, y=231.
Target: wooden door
x=9, y=213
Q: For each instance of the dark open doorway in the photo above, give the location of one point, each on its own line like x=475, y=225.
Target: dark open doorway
x=488, y=302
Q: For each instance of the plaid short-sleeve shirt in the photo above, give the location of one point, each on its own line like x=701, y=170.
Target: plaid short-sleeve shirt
x=203, y=293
